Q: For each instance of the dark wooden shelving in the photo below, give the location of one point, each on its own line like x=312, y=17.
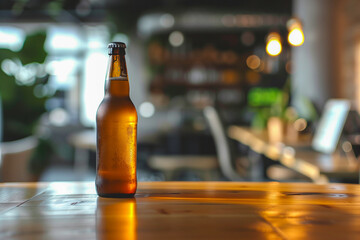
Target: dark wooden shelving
x=204, y=86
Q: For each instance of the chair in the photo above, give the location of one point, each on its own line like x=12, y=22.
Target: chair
x=224, y=151
x=206, y=166
x=15, y=158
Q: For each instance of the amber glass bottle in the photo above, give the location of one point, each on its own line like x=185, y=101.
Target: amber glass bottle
x=116, y=126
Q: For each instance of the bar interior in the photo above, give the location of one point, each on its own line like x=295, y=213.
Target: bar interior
x=242, y=106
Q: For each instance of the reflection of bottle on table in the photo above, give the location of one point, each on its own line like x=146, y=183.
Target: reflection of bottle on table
x=116, y=219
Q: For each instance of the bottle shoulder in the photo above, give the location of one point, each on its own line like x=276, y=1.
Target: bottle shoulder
x=109, y=99
x=116, y=107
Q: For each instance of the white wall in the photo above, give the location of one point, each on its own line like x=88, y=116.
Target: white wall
x=314, y=62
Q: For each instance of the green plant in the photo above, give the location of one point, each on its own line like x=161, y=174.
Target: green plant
x=22, y=77
x=23, y=85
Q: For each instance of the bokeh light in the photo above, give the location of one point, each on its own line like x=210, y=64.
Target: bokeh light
x=296, y=37
x=176, y=39
x=300, y=124
x=147, y=109
x=253, y=62
x=273, y=45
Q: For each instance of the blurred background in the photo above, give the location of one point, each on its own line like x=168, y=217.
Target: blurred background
x=244, y=61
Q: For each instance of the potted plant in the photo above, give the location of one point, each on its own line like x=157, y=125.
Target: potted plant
x=22, y=83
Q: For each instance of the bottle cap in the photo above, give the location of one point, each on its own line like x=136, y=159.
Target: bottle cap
x=116, y=45
x=116, y=48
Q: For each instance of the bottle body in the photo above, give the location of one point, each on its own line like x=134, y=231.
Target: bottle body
x=116, y=154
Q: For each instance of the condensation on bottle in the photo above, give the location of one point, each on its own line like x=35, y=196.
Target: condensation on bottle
x=116, y=131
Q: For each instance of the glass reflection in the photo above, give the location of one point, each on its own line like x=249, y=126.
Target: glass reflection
x=116, y=219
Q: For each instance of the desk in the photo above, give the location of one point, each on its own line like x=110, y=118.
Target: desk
x=310, y=163
x=181, y=210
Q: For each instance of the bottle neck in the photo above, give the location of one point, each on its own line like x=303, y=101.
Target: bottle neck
x=117, y=82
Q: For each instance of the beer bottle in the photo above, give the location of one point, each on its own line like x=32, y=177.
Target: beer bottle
x=116, y=122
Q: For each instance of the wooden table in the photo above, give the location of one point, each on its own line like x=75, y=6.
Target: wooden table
x=318, y=167
x=181, y=210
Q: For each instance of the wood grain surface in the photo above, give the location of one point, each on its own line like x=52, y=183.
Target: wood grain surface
x=181, y=210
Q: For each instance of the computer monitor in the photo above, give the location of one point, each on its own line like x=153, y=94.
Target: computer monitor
x=331, y=125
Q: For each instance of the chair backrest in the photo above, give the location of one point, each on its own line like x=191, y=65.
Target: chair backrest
x=15, y=157
x=223, y=150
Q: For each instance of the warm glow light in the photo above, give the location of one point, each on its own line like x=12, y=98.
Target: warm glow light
x=273, y=46
x=253, y=62
x=300, y=124
x=296, y=37
x=275, y=130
